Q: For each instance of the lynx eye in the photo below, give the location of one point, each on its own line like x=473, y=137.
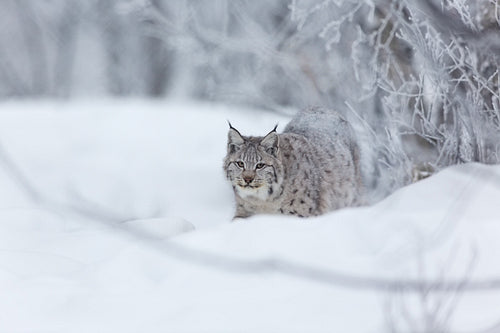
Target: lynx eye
x=260, y=165
x=240, y=164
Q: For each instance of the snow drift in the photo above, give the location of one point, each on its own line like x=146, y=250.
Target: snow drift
x=73, y=177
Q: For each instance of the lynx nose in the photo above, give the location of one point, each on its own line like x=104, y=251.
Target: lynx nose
x=248, y=178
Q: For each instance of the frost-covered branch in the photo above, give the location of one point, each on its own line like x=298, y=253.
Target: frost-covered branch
x=80, y=206
x=229, y=263
x=433, y=69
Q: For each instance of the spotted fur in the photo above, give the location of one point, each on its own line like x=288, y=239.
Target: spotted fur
x=309, y=169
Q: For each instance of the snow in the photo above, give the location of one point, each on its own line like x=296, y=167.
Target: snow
x=126, y=227
x=162, y=228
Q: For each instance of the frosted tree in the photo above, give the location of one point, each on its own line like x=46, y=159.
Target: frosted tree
x=47, y=48
x=426, y=74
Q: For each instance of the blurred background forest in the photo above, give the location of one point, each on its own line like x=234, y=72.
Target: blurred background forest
x=419, y=78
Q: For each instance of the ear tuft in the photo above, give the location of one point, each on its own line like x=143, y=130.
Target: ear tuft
x=234, y=139
x=271, y=142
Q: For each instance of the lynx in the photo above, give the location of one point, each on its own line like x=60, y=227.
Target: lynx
x=311, y=168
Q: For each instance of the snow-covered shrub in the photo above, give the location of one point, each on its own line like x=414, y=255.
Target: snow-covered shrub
x=426, y=72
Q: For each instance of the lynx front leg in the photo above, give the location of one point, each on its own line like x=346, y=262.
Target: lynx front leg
x=241, y=212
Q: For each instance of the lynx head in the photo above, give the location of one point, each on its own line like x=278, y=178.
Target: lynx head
x=253, y=164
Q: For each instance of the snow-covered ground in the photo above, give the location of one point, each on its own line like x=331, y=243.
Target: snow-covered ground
x=98, y=202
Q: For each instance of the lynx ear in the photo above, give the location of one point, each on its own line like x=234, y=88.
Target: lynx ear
x=234, y=139
x=271, y=142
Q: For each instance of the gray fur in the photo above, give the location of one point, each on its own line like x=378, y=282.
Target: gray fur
x=309, y=169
